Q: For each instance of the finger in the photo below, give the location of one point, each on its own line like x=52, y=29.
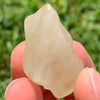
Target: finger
x=47, y=95
x=16, y=62
x=83, y=55
x=88, y=85
x=70, y=97
x=42, y=89
x=23, y=89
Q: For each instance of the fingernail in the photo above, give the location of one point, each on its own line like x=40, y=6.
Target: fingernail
x=95, y=80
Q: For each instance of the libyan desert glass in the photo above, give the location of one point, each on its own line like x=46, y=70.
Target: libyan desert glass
x=49, y=58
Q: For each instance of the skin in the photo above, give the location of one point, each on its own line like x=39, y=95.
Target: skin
x=23, y=89
x=87, y=84
x=83, y=55
x=16, y=61
x=47, y=95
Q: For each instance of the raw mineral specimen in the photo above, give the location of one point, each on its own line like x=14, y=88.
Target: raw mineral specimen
x=50, y=59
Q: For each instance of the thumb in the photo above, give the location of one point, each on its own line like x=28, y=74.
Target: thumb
x=88, y=85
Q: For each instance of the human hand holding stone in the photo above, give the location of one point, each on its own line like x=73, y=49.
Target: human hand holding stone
x=52, y=60
x=86, y=88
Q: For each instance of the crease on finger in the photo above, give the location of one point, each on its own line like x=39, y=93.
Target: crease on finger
x=91, y=75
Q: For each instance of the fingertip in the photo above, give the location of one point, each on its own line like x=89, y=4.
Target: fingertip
x=83, y=55
x=16, y=61
x=23, y=89
x=84, y=88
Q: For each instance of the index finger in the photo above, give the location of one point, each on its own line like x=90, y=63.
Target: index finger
x=83, y=55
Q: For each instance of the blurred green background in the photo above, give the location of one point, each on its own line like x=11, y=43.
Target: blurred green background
x=80, y=17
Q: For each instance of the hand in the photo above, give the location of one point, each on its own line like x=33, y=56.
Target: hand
x=21, y=88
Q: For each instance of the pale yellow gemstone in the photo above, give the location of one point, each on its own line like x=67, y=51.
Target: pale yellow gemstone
x=50, y=59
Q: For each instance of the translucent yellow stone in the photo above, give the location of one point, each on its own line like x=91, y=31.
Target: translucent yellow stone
x=50, y=59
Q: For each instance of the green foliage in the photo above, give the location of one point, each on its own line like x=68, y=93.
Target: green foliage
x=3, y=86
x=61, y=99
x=81, y=18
